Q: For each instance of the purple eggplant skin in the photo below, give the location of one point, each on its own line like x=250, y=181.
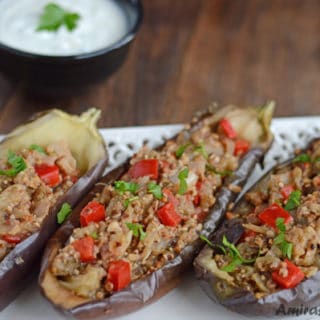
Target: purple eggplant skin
x=18, y=266
x=153, y=286
x=305, y=295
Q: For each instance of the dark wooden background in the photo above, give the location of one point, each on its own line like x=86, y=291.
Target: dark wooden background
x=191, y=52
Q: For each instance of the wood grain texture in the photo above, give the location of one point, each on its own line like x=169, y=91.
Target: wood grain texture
x=191, y=52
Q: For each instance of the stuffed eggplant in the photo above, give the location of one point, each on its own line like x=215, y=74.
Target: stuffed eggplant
x=44, y=164
x=264, y=260
x=128, y=241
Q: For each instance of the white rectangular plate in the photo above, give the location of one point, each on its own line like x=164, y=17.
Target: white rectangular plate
x=187, y=301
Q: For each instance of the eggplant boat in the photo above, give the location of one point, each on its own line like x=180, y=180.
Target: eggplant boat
x=128, y=241
x=265, y=257
x=46, y=166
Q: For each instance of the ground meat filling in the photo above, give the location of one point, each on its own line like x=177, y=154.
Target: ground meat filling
x=146, y=218
x=280, y=245
x=31, y=181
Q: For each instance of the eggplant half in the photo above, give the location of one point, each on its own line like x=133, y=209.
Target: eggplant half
x=82, y=138
x=264, y=259
x=153, y=198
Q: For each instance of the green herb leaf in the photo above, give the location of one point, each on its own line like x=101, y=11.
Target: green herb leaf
x=280, y=224
x=155, y=189
x=223, y=173
x=317, y=159
x=293, y=200
x=54, y=17
x=212, y=245
x=123, y=186
x=201, y=149
x=232, y=265
x=94, y=235
x=64, y=213
x=37, y=148
x=303, y=158
x=128, y=201
x=137, y=230
x=286, y=249
x=182, y=176
x=181, y=150
x=17, y=165
x=280, y=240
x=235, y=255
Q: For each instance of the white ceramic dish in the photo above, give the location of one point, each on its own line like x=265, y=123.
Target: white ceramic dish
x=187, y=301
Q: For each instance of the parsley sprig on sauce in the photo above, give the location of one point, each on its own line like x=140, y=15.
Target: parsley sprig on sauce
x=17, y=165
x=54, y=17
x=280, y=241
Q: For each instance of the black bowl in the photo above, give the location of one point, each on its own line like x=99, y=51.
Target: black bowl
x=42, y=72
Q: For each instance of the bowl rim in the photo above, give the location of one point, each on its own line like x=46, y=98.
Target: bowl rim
x=130, y=35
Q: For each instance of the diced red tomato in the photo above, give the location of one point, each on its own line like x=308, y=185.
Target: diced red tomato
x=171, y=198
x=197, y=198
x=85, y=246
x=227, y=128
x=12, y=238
x=241, y=147
x=147, y=167
x=168, y=216
x=50, y=175
x=119, y=274
x=201, y=214
x=294, y=277
x=286, y=191
x=92, y=212
x=247, y=234
x=269, y=215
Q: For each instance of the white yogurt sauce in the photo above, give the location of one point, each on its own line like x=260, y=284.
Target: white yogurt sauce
x=102, y=23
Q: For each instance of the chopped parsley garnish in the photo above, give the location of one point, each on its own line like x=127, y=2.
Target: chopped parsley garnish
x=181, y=150
x=17, y=165
x=303, y=158
x=280, y=241
x=128, y=201
x=37, y=148
x=94, y=235
x=182, y=176
x=293, y=201
x=54, y=17
x=201, y=149
x=155, y=189
x=212, y=245
x=64, y=213
x=123, y=186
x=236, y=258
x=137, y=230
x=223, y=173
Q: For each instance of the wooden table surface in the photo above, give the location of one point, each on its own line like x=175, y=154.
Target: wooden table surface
x=191, y=52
